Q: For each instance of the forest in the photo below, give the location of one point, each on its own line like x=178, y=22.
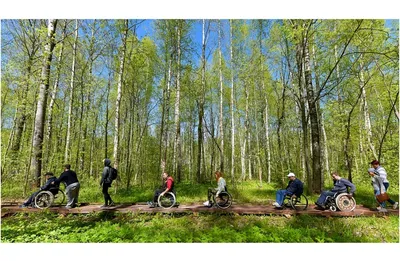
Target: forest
x=254, y=99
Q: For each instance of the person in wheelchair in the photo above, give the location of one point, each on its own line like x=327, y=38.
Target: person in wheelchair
x=294, y=187
x=168, y=186
x=47, y=186
x=341, y=185
x=216, y=191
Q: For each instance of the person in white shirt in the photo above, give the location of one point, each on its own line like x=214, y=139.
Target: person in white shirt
x=383, y=175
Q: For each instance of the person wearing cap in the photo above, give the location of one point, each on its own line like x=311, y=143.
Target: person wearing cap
x=294, y=187
x=379, y=188
x=383, y=175
x=340, y=185
x=47, y=186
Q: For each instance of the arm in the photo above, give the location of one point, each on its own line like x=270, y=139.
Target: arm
x=104, y=175
x=57, y=181
x=169, y=185
x=47, y=185
x=351, y=185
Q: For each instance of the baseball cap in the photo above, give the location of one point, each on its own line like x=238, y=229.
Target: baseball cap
x=291, y=174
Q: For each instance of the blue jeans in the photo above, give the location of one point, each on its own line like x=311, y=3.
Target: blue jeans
x=322, y=198
x=386, y=184
x=280, y=196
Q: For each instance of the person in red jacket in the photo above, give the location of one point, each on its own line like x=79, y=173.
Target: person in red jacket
x=168, y=186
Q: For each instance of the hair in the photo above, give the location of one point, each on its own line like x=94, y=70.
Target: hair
x=218, y=174
x=375, y=162
x=67, y=166
x=49, y=173
x=165, y=173
x=334, y=173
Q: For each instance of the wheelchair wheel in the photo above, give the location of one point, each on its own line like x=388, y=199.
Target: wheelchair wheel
x=224, y=200
x=344, y=203
x=299, y=203
x=332, y=208
x=44, y=199
x=59, y=198
x=167, y=201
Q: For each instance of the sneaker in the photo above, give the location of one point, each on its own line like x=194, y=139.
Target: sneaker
x=207, y=203
x=276, y=205
x=396, y=205
x=23, y=206
x=378, y=208
x=152, y=206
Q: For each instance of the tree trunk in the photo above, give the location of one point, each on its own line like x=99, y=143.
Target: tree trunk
x=221, y=93
x=232, y=107
x=71, y=96
x=42, y=102
x=119, y=94
x=177, y=143
x=54, y=94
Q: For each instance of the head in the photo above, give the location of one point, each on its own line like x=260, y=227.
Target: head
x=165, y=175
x=371, y=172
x=107, y=162
x=375, y=164
x=48, y=175
x=335, y=176
x=218, y=174
x=291, y=176
x=67, y=167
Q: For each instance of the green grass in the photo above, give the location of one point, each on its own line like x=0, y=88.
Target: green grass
x=133, y=227
x=203, y=227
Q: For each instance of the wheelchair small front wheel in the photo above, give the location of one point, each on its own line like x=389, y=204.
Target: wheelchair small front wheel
x=44, y=199
x=332, y=208
x=167, y=201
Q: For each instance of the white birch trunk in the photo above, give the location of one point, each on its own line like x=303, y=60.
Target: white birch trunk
x=177, y=113
x=119, y=94
x=221, y=92
x=232, y=109
x=71, y=95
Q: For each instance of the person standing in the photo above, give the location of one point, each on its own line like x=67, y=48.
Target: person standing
x=383, y=175
x=379, y=188
x=105, y=182
x=70, y=180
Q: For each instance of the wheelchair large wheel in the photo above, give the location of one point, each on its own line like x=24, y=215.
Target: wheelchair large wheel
x=344, y=203
x=167, y=201
x=44, y=199
x=224, y=200
x=299, y=203
x=59, y=198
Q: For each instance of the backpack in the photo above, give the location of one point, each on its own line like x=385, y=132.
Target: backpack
x=114, y=173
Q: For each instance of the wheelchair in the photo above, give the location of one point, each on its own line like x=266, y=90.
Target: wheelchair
x=46, y=198
x=222, y=201
x=341, y=202
x=168, y=200
x=296, y=202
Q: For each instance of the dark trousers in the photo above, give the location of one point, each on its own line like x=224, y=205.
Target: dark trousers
x=30, y=200
x=211, y=192
x=107, y=197
x=322, y=198
x=156, y=194
x=391, y=201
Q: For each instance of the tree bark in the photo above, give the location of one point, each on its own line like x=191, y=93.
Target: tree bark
x=232, y=106
x=71, y=96
x=42, y=102
x=119, y=95
x=177, y=142
x=221, y=94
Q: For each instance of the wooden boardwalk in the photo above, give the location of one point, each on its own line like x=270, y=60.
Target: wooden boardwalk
x=7, y=209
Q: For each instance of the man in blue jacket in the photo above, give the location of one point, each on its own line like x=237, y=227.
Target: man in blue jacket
x=340, y=186
x=295, y=187
x=47, y=186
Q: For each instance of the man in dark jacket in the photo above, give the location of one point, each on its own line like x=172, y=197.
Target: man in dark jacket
x=340, y=186
x=106, y=183
x=70, y=180
x=47, y=186
x=294, y=187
